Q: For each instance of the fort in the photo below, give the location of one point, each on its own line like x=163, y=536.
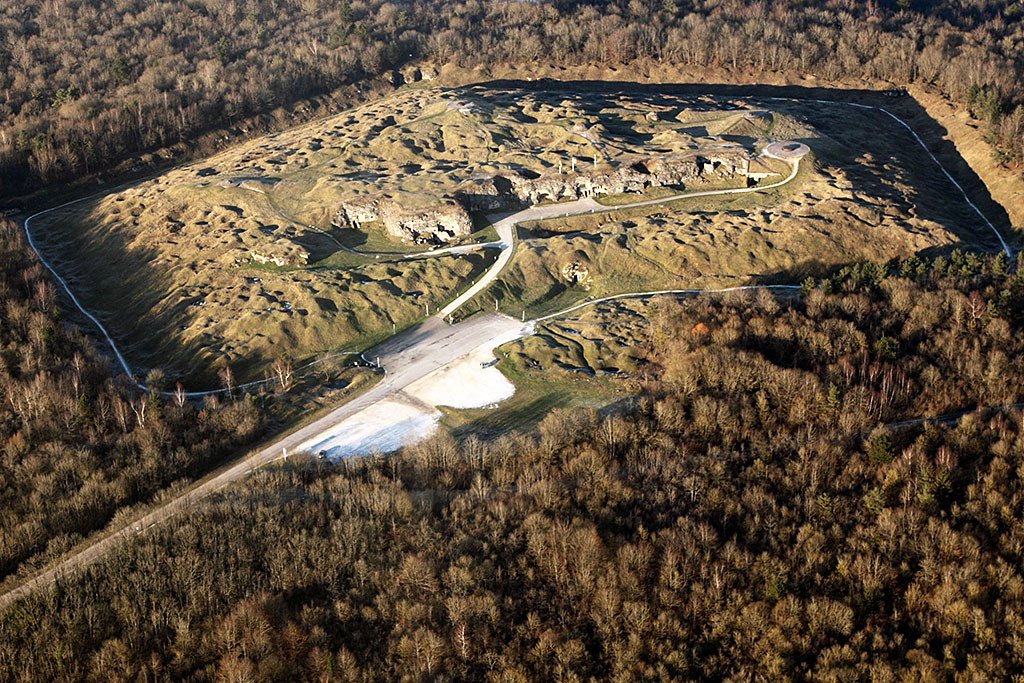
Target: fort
x=448, y=219
x=442, y=222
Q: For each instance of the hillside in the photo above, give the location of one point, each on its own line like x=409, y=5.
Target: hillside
x=163, y=80
x=79, y=447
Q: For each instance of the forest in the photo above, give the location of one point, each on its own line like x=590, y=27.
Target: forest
x=89, y=83
x=78, y=445
x=767, y=507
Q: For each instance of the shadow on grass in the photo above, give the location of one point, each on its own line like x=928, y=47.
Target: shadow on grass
x=522, y=416
x=145, y=307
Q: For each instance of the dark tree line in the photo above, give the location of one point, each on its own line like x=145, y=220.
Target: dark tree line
x=746, y=518
x=87, y=83
x=76, y=445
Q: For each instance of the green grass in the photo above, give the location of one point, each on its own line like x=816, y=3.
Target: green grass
x=365, y=336
x=338, y=259
x=343, y=259
x=371, y=237
x=485, y=236
x=555, y=202
x=631, y=197
x=632, y=259
x=483, y=230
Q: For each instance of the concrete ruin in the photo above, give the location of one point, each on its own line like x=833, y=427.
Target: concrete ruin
x=355, y=211
x=412, y=74
x=449, y=219
x=443, y=223
x=280, y=253
x=755, y=169
x=597, y=181
x=496, y=193
x=512, y=190
x=446, y=221
x=577, y=273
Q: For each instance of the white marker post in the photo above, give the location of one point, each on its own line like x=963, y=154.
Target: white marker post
x=573, y=164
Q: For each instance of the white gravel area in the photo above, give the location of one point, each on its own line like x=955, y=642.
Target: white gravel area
x=407, y=417
x=385, y=426
x=464, y=383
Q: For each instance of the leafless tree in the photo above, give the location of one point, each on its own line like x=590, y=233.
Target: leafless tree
x=283, y=374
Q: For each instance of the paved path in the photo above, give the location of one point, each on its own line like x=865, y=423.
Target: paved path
x=920, y=142
x=636, y=295
x=505, y=225
x=406, y=357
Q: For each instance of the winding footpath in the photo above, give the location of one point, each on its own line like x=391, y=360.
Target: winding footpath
x=406, y=357
x=505, y=225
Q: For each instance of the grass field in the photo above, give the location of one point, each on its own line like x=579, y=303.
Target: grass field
x=858, y=196
x=171, y=264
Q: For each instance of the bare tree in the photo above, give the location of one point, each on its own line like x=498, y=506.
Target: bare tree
x=121, y=413
x=139, y=406
x=77, y=364
x=227, y=380
x=284, y=374
x=179, y=396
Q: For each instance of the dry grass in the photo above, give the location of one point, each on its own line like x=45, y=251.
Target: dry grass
x=167, y=263
x=866, y=193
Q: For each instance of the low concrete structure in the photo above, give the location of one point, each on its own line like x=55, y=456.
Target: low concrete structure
x=513, y=190
x=787, y=149
x=444, y=222
x=352, y=212
x=495, y=193
x=440, y=224
x=280, y=253
x=755, y=169
x=449, y=219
